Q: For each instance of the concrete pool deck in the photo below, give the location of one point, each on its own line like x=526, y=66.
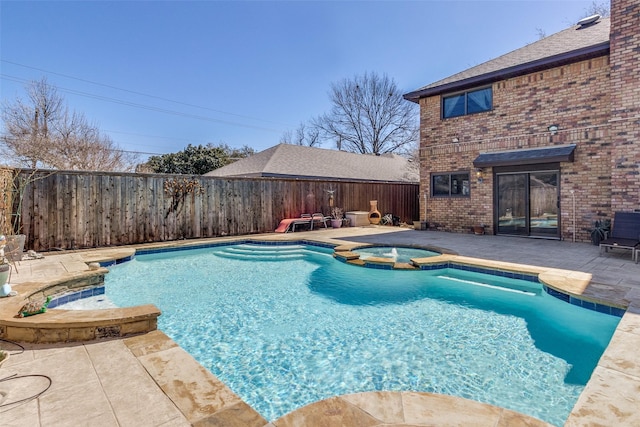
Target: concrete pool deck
x=148, y=380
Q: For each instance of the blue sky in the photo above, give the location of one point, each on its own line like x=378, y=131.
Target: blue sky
x=158, y=75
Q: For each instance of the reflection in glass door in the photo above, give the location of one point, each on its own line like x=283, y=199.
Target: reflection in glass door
x=543, y=204
x=527, y=203
x=512, y=204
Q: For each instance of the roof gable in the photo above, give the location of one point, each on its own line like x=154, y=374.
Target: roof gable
x=295, y=161
x=570, y=45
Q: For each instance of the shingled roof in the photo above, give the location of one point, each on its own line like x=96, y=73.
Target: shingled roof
x=294, y=161
x=570, y=45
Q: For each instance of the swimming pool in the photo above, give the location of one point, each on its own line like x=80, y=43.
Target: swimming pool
x=284, y=326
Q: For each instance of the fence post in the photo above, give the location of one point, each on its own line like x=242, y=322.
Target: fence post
x=6, y=201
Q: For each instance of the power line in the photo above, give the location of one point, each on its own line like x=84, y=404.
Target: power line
x=150, y=136
x=140, y=93
x=117, y=150
x=144, y=107
x=169, y=138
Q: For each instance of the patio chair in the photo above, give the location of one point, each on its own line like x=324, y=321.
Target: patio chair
x=14, y=249
x=319, y=218
x=289, y=224
x=625, y=233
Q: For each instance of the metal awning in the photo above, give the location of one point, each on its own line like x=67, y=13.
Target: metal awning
x=558, y=153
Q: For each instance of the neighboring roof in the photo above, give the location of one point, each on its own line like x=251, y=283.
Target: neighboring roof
x=570, y=45
x=295, y=161
x=558, y=153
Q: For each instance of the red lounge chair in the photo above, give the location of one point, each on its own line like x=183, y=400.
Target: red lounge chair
x=289, y=224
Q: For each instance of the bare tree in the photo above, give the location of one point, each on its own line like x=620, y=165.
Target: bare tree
x=42, y=133
x=306, y=134
x=27, y=123
x=369, y=115
x=597, y=7
x=602, y=8
x=81, y=146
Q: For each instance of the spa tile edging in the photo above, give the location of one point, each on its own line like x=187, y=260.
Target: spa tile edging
x=60, y=325
x=62, y=299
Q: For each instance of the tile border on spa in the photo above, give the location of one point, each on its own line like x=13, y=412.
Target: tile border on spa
x=74, y=296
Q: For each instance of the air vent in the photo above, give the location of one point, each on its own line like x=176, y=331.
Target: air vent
x=585, y=22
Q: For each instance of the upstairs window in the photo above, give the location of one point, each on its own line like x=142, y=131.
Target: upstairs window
x=473, y=101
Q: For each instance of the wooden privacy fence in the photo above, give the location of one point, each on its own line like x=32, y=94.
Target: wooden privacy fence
x=70, y=210
x=6, y=200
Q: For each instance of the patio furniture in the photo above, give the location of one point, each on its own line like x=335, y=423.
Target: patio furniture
x=289, y=224
x=319, y=218
x=625, y=234
x=14, y=249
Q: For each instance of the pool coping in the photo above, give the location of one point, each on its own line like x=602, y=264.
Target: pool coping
x=570, y=286
x=71, y=325
x=610, y=395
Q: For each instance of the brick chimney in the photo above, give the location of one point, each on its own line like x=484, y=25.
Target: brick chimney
x=624, y=63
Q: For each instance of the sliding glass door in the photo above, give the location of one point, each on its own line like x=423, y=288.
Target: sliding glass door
x=543, y=204
x=512, y=204
x=527, y=203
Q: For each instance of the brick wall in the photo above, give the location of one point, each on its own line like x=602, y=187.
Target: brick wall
x=575, y=96
x=625, y=104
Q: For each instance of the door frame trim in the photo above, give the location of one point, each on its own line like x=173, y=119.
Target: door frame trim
x=520, y=169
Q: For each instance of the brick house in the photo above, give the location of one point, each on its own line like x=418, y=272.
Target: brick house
x=541, y=141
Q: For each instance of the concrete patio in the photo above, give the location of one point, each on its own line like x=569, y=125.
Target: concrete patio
x=147, y=380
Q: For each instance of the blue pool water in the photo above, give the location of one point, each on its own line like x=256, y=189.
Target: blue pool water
x=287, y=326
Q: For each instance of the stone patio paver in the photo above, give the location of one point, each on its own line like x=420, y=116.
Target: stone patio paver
x=110, y=356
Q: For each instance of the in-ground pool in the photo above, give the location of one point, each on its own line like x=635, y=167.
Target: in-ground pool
x=284, y=326
x=395, y=253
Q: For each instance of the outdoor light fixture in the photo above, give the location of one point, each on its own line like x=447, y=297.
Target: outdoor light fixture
x=553, y=129
x=479, y=174
x=455, y=139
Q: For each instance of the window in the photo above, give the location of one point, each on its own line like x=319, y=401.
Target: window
x=470, y=102
x=450, y=184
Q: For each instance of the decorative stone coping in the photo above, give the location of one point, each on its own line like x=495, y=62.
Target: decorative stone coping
x=344, y=253
x=71, y=325
x=569, y=286
x=411, y=409
x=203, y=399
x=573, y=287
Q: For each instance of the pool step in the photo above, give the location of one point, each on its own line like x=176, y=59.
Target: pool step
x=262, y=252
x=263, y=257
x=266, y=248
